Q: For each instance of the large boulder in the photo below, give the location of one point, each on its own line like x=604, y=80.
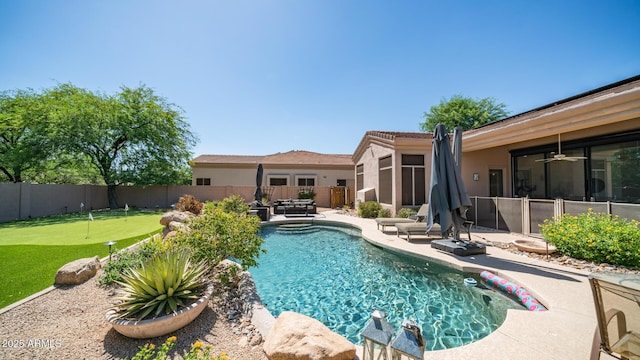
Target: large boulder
x=177, y=226
x=296, y=336
x=179, y=216
x=78, y=271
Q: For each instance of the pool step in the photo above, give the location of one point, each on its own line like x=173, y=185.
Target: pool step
x=303, y=228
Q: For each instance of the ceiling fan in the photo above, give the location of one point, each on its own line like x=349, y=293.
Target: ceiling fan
x=560, y=156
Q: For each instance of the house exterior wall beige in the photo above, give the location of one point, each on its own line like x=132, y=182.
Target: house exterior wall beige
x=222, y=176
x=375, y=146
x=323, y=176
x=480, y=163
x=369, y=160
x=234, y=175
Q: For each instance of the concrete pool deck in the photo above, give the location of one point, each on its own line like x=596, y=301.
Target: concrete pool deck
x=565, y=331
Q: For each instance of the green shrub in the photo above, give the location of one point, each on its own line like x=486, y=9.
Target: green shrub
x=384, y=213
x=198, y=351
x=160, y=286
x=406, y=212
x=596, y=237
x=223, y=231
x=369, y=209
x=232, y=204
x=306, y=194
x=190, y=204
x=125, y=259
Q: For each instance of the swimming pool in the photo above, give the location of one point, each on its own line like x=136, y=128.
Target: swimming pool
x=333, y=275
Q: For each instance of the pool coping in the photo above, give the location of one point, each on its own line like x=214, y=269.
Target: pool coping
x=565, y=331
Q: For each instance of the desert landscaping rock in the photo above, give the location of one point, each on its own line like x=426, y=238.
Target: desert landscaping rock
x=177, y=226
x=296, y=336
x=78, y=271
x=179, y=216
x=69, y=323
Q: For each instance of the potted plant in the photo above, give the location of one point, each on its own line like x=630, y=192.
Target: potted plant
x=160, y=296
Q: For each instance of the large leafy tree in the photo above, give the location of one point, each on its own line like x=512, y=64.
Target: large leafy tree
x=463, y=111
x=133, y=137
x=24, y=142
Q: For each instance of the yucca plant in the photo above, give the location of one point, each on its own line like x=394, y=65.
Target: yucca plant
x=162, y=285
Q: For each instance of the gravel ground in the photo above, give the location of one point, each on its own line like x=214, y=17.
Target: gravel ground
x=70, y=323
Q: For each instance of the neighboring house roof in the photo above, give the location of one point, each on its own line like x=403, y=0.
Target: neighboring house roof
x=293, y=157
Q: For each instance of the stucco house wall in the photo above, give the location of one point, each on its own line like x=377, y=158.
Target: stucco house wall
x=240, y=171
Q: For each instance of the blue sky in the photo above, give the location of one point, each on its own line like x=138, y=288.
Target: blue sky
x=260, y=77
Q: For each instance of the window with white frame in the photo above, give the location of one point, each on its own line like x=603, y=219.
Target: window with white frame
x=278, y=180
x=306, y=180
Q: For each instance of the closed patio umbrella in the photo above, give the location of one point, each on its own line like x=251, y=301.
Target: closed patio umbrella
x=456, y=147
x=448, y=199
x=258, y=193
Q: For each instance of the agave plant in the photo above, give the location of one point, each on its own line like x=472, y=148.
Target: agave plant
x=162, y=285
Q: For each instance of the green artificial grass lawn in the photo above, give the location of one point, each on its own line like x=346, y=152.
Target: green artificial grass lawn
x=32, y=251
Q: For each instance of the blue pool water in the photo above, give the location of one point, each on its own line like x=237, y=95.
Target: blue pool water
x=333, y=275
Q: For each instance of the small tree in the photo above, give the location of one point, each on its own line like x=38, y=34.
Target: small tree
x=465, y=112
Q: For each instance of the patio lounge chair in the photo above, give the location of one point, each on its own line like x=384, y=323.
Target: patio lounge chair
x=419, y=216
x=416, y=228
x=421, y=229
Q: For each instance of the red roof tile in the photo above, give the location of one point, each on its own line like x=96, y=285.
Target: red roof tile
x=294, y=157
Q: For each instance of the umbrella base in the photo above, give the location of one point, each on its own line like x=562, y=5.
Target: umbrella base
x=458, y=247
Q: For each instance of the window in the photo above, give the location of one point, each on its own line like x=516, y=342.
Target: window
x=342, y=182
x=614, y=172
x=566, y=178
x=203, y=181
x=413, y=180
x=278, y=180
x=529, y=176
x=385, y=178
x=605, y=175
x=360, y=177
x=306, y=180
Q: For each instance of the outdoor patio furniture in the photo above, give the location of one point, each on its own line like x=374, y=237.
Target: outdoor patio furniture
x=419, y=216
x=294, y=207
x=416, y=228
x=617, y=302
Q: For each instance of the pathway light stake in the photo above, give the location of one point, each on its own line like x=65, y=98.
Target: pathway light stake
x=377, y=332
x=110, y=243
x=409, y=342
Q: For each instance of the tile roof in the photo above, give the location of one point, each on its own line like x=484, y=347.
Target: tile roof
x=293, y=157
x=392, y=135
